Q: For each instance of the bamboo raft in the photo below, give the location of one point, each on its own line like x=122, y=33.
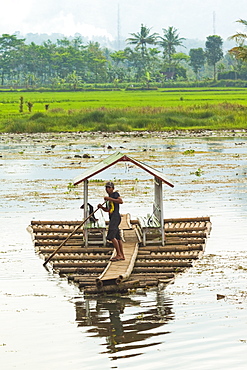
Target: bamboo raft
x=144, y=265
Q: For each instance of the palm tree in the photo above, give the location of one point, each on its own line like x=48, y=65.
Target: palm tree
x=240, y=51
x=142, y=38
x=169, y=42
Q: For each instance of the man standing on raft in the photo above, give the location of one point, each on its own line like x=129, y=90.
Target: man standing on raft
x=112, y=206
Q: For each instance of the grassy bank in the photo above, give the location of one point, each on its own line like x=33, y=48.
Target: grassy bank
x=125, y=110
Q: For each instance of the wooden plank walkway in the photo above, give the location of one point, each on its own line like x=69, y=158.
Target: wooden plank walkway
x=116, y=272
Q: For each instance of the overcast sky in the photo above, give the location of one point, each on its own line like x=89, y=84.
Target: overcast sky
x=194, y=19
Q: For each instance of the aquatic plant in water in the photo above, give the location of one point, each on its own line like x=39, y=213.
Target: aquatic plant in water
x=198, y=172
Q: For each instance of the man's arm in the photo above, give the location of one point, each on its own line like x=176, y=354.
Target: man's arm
x=105, y=209
x=118, y=200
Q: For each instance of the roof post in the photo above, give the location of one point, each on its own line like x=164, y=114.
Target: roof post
x=158, y=206
x=85, y=198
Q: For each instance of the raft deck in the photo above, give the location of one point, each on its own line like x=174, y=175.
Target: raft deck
x=150, y=265
x=116, y=272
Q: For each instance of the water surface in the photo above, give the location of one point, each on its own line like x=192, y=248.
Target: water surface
x=47, y=323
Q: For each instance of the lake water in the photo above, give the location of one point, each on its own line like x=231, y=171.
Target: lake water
x=47, y=323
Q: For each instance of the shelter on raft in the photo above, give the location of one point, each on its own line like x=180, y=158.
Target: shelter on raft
x=157, y=217
x=156, y=248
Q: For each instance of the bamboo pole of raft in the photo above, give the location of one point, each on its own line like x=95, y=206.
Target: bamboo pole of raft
x=86, y=284
x=79, y=270
x=176, y=248
x=101, y=250
x=184, y=219
x=77, y=278
x=81, y=258
x=83, y=279
x=163, y=264
x=89, y=288
x=159, y=276
x=166, y=257
x=69, y=236
x=146, y=284
x=57, y=265
x=152, y=270
x=113, y=288
x=154, y=263
x=130, y=267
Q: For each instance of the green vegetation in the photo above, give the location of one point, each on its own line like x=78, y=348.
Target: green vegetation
x=214, y=51
x=240, y=51
x=189, y=152
x=198, y=172
x=147, y=59
x=112, y=111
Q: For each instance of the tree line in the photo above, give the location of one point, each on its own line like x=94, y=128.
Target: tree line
x=147, y=58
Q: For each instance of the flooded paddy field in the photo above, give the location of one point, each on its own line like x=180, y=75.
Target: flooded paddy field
x=200, y=321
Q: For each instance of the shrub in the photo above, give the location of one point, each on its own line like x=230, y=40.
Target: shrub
x=141, y=123
x=95, y=116
x=37, y=115
x=116, y=127
x=20, y=126
x=102, y=127
x=203, y=115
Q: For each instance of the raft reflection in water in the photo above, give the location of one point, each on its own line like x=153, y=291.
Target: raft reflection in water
x=107, y=318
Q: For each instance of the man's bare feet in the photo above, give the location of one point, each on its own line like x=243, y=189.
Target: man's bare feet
x=114, y=259
x=117, y=258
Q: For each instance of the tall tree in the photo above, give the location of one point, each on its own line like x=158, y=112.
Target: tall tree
x=10, y=47
x=214, y=51
x=35, y=61
x=169, y=42
x=240, y=51
x=197, y=60
x=116, y=70
x=134, y=63
x=118, y=56
x=96, y=63
x=142, y=39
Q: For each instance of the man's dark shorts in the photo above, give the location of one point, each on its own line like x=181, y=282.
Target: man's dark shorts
x=113, y=231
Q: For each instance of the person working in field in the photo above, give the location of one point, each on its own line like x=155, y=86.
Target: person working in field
x=112, y=206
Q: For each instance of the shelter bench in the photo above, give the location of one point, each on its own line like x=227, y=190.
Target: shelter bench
x=147, y=224
x=94, y=228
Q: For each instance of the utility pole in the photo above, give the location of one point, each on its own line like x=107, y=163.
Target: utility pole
x=214, y=31
x=118, y=27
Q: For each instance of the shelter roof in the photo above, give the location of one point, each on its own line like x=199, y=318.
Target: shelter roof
x=113, y=159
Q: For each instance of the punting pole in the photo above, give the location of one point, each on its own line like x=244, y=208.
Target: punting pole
x=69, y=236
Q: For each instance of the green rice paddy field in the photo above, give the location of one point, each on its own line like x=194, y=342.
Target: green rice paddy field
x=163, y=109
